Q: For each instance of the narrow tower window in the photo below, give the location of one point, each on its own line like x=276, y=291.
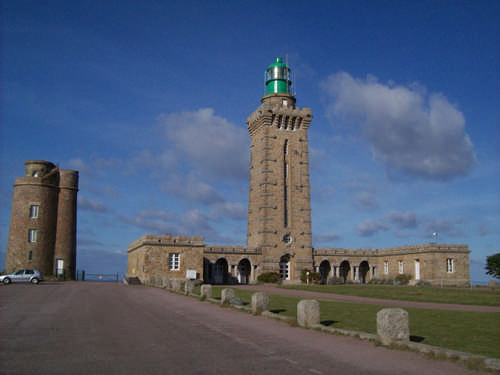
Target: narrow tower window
x=285, y=185
x=34, y=211
x=32, y=235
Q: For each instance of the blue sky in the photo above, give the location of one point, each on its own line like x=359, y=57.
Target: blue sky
x=149, y=101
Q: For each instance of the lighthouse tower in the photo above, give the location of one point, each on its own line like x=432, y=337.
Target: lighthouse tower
x=279, y=208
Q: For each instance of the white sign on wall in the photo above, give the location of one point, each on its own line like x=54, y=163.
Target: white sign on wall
x=191, y=274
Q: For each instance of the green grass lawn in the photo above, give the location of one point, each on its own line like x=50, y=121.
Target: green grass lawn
x=472, y=332
x=421, y=294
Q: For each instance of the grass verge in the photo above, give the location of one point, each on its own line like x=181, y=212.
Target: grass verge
x=405, y=293
x=472, y=332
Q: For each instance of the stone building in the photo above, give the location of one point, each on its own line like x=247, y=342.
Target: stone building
x=279, y=237
x=42, y=232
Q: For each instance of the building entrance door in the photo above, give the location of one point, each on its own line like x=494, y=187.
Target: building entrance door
x=417, y=269
x=59, y=267
x=285, y=267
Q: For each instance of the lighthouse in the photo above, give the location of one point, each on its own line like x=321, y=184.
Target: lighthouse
x=279, y=207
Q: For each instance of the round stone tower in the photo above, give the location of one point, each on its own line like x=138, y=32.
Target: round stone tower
x=42, y=232
x=279, y=209
x=32, y=230
x=65, y=246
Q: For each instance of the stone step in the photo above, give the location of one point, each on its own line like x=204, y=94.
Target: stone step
x=131, y=280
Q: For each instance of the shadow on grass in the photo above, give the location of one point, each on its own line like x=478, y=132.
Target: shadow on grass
x=417, y=338
x=328, y=322
x=277, y=311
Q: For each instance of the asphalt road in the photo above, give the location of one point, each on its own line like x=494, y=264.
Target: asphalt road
x=107, y=328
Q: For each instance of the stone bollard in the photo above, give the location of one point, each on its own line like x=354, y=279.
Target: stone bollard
x=260, y=302
x=189, y=287
x=307, y=312
x=177, y=285
x=206, y=291
x=393, y=326
x=226, y=295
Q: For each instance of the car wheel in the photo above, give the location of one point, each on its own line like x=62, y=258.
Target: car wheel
x=35, y=280
x=6, y=280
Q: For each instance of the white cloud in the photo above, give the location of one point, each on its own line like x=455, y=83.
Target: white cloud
x=364, y=201
x=326, y=238
x=371, y=228
x=158, y=222
x=156, y=214
x=403, y=220
x=446, y=227
x=210, y=143
x=94, y=205
x=191, y=189
x=232, y=210
x=147, y=160
x=364, y=197
x=81, y=166
x=413, y=133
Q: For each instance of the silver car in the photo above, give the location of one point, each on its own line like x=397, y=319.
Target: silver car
x=22, y=276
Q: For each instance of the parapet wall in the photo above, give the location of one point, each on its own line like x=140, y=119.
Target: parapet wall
x=401, y=250
x=166, y=240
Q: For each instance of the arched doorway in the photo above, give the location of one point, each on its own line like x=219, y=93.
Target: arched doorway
x=364, y=268
x=220, y=274
x=207, y=271
x=344, y=269
x=285, y=267
x=244, y=270
x=324, y=271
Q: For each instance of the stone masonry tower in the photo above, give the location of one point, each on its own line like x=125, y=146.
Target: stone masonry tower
x=42, y=232
x=279, y=208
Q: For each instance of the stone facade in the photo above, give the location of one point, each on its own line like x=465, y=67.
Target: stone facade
x=279, y=237
x=155, y=257
x=434, y=263
x=42, y=232
x=438, y=264
x=279, y=210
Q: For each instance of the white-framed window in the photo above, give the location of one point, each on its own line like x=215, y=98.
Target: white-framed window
x=32, y=235
x=173, y=262
x=34, y=211
x=386, y=267
x=450, y=265
x=285, y=267
x=401, y=267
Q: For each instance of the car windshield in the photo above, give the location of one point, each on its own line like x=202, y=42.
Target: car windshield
x=20, y=272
